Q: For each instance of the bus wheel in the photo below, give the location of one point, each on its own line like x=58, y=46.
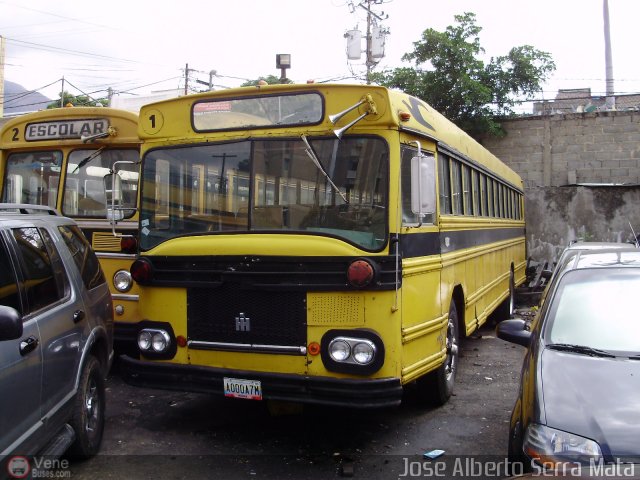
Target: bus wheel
x=437, y=387
x=505, y=309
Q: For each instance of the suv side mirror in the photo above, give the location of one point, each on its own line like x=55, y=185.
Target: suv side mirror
x=10, y=323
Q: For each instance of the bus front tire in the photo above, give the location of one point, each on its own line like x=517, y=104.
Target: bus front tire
x=437, y=387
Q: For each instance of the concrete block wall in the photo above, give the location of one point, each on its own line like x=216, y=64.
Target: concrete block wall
x=581, y=173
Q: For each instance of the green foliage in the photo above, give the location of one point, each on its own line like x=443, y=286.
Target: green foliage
x=450, y=75
x=270, y=79
x=77, y=101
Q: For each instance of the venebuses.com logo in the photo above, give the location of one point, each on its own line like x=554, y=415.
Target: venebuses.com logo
x=18, y=467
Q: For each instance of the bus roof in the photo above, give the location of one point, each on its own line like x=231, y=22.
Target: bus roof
x=118, y=118
x=424, y=121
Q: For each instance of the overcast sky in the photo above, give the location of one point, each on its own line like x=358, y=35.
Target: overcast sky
x=140, y=46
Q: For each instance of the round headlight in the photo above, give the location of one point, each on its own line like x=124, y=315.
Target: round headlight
x=144, y=340
x=339, y=350
x=160, y=341
x=122, y=281
x=364, y=352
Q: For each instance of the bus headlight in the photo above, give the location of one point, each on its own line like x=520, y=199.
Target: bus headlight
x=339, y=349
x=352, y=351
x=364, y=352
x=160, y=341
x=144, y=340
x=122, y=281
x=154, y=341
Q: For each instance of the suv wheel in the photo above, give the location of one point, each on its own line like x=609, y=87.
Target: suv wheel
x=88, y=417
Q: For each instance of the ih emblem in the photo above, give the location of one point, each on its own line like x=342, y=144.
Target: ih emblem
x=243, y=324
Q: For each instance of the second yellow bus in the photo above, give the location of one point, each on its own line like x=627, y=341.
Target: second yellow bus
x=58, y=158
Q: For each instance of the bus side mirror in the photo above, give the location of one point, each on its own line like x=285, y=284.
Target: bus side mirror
x=113, y=197
x=423, y=185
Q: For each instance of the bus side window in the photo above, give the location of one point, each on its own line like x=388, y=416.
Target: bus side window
x=444, y=173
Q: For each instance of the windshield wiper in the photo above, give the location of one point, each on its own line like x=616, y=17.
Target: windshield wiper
x=312, y=155
x=88, y=158
x=567, y=347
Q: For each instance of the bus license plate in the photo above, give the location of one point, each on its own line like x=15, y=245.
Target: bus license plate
x=240, y=388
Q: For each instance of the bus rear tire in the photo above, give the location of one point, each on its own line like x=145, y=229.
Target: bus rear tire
x=507, y=307
x=437, y=387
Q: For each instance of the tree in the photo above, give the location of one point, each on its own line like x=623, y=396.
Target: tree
x=458, y=83
x=78, y=101
x=270, y=79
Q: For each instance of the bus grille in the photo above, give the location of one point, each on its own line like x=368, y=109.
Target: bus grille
x=234, y=315
x=105, y=242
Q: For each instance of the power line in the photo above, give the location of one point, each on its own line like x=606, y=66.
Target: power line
x=70, y=52
x=84, y=93
x=24, y=94
x=60, y=16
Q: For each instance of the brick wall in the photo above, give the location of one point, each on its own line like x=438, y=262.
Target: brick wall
x=560, y=157
x=556, y=150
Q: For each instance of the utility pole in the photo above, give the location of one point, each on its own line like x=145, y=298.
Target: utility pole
x=62, y=94
x=369, y=60
x=1, y=76
x=374, y=37
x=209, y=84
x=186, y=78
x=608, y=59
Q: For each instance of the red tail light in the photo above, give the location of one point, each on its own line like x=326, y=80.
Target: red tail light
x=360, y=273
x=142, y=271
x=128, y=244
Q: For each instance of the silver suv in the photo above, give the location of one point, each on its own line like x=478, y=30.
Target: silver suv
x=56, y=337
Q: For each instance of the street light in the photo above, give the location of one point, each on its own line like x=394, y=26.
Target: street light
x=283, y=61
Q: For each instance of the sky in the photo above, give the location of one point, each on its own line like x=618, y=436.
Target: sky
x=137, y=47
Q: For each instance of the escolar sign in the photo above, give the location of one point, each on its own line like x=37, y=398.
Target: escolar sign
x=65, y=129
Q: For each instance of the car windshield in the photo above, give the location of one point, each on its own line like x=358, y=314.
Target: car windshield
x=597, y=308
x=323, y=186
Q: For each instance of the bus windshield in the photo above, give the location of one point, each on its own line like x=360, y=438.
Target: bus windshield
x=268, y=185
x=274, y=110
x=84, y=194
x=32, y=177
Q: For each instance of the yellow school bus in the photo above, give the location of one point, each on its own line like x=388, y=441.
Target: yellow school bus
x=58, y=158
x=325, y=244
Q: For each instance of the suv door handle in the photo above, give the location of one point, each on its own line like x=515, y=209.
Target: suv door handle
x=28, y=345
x=78, y=316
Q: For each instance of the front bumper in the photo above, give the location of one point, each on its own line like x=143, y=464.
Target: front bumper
x=360, y=393
x=125, y=338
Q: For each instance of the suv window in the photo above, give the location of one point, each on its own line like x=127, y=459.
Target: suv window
x=9, y=295
x=42, y=286
x=83, y=256
x=56, y=262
